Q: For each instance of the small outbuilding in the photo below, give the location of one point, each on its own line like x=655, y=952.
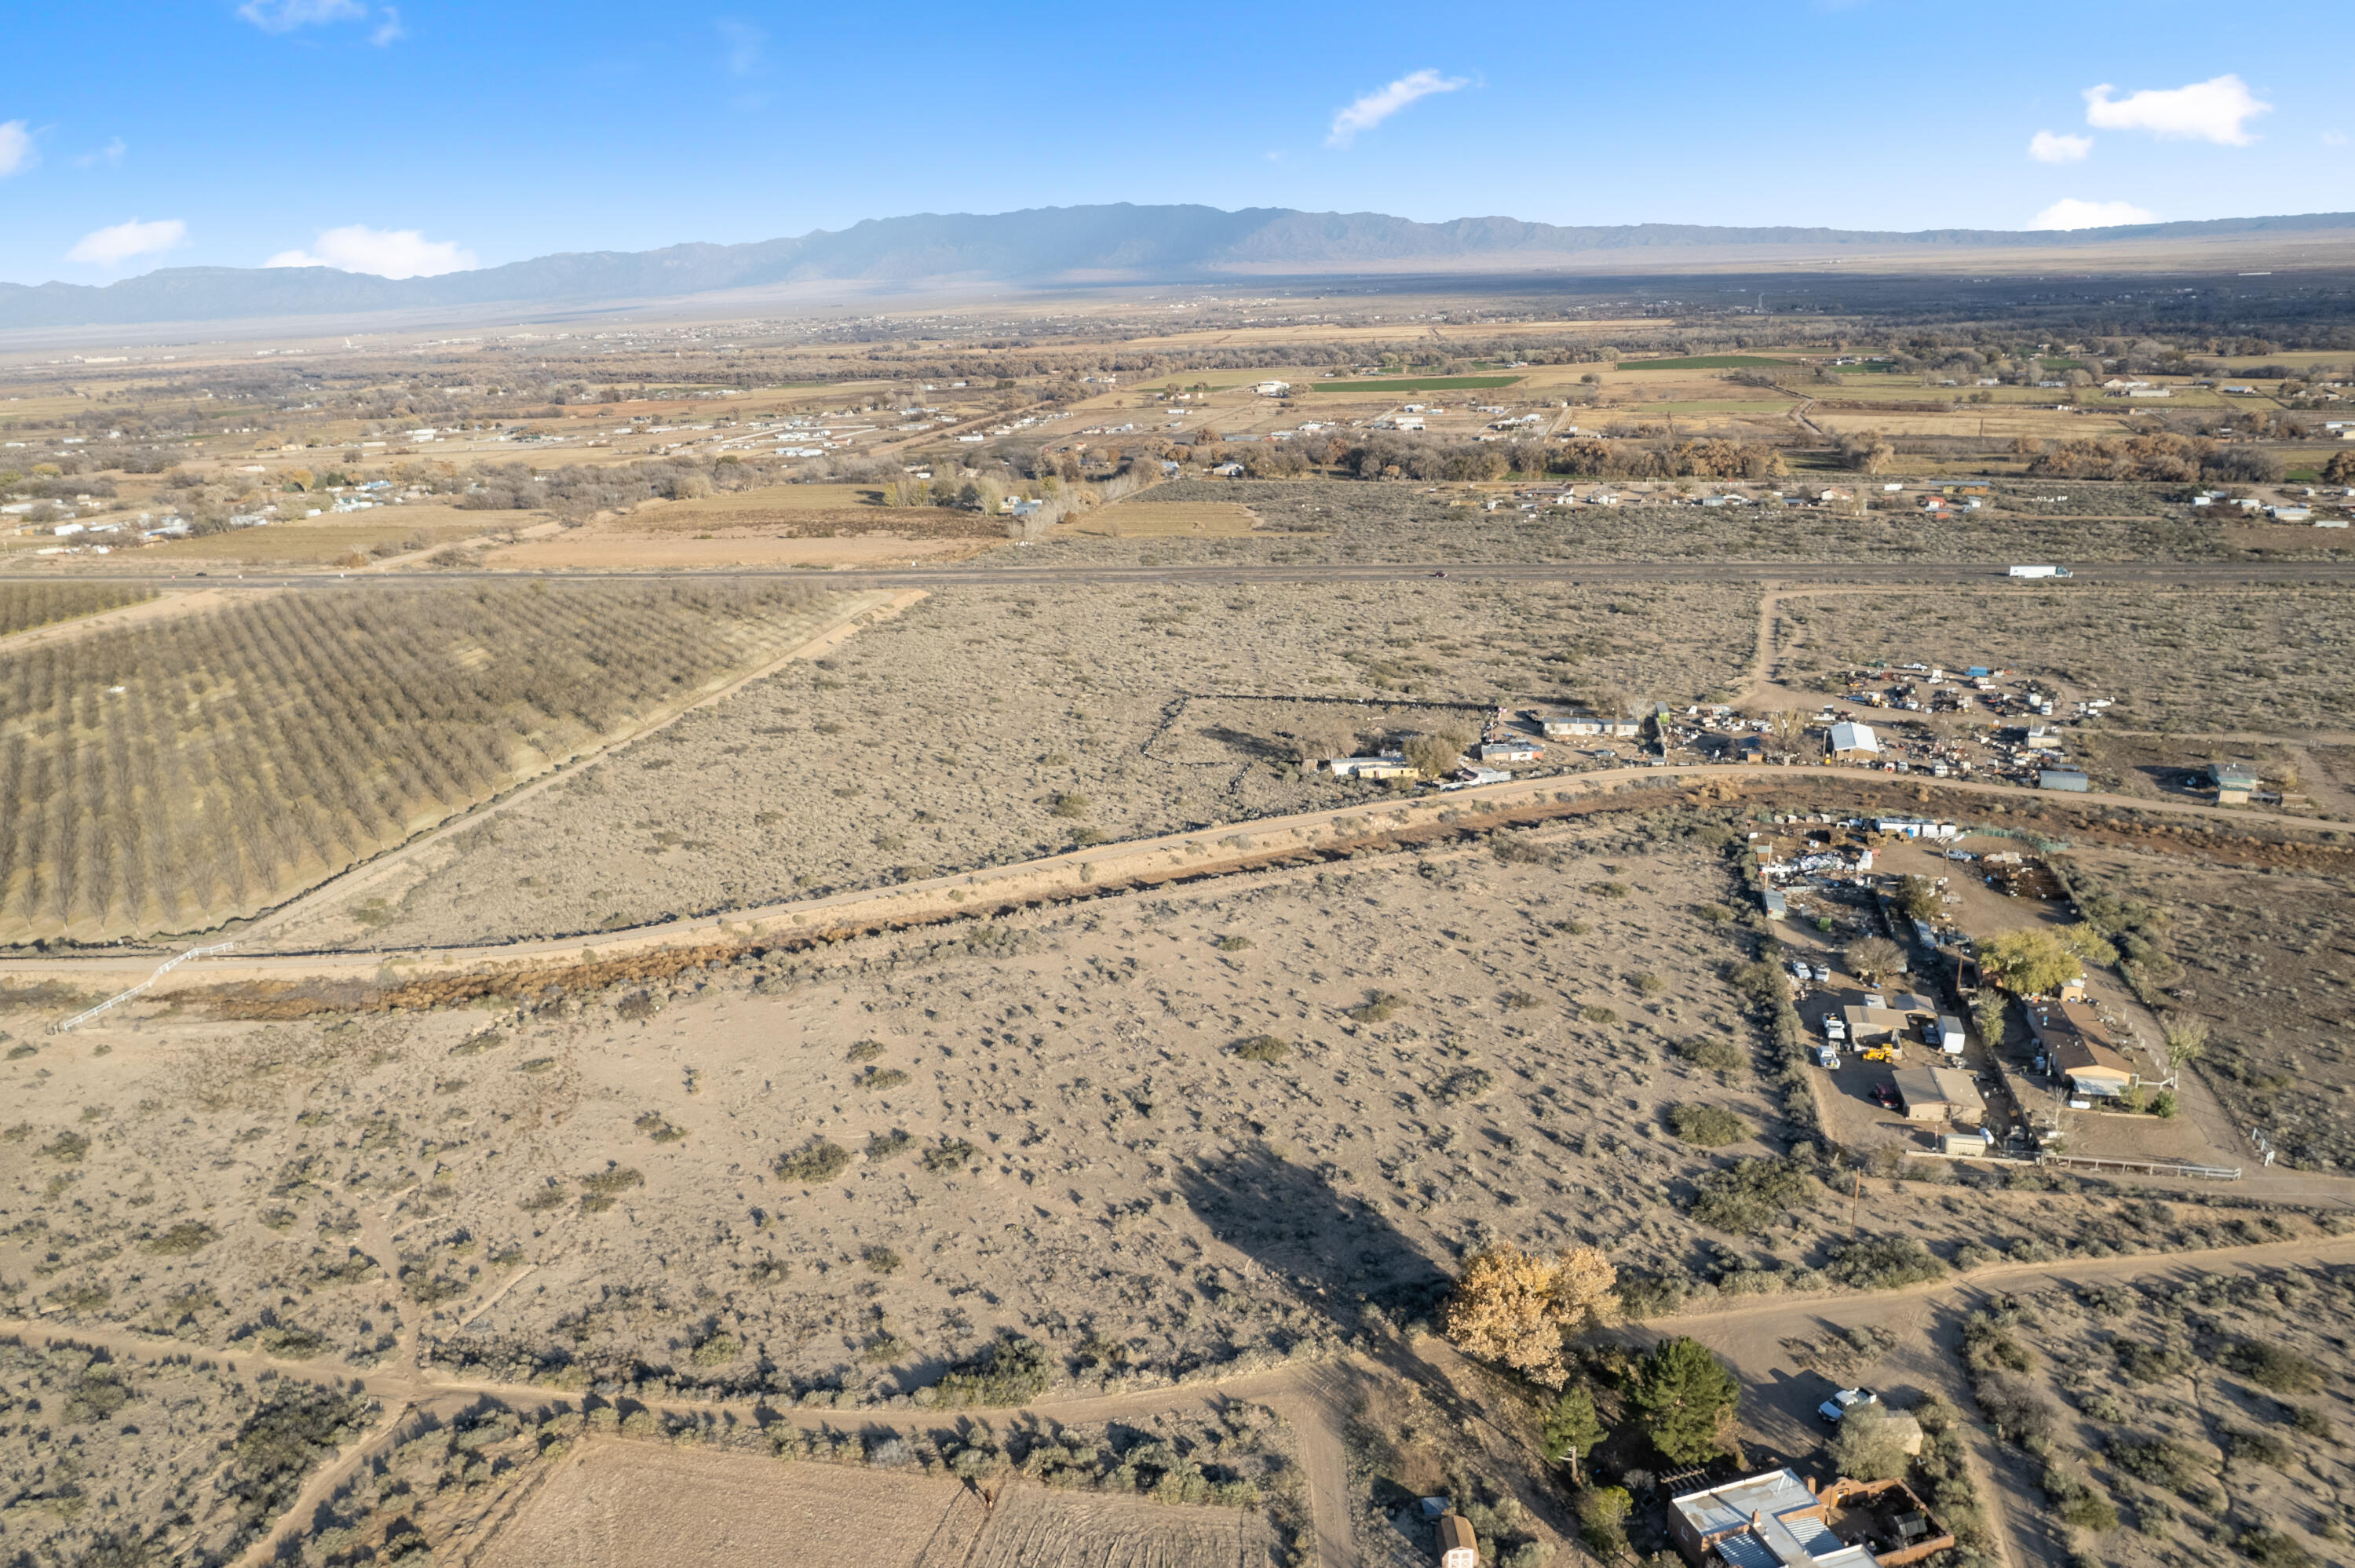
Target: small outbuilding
x=1854, y=740
x=1458, y=1546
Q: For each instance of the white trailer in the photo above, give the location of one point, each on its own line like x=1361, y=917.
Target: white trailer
x=2039, y=571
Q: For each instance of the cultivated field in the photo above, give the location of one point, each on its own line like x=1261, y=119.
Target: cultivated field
x=987, y=727
x=1184, y=519
x=23, y=606
x=626, y=1505
x=165, y=774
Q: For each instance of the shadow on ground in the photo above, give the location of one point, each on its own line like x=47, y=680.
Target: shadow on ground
x=1334, y=1252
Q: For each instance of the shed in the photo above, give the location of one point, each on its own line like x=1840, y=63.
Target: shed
x=1458, y=1547
x=2235, y=782
x=2067, y=779
x=1940, y=1094
x=1777, y=906
x=1850, y=737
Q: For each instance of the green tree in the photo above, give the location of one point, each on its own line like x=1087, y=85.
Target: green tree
x=1870, y=1445
x=1685, y=1398
x=1918, y=897
x=1572, y=1427
x=2028, y=962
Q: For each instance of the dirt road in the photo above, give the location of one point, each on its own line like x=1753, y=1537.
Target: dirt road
x=1314, y=1396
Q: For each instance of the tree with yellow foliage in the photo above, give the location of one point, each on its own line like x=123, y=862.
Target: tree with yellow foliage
x=1514, y=1308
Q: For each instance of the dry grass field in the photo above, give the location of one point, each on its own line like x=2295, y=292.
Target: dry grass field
x=1355, y=521
x=2175, y=1420
x=623, y=1505
x=317, y=543
x=1135, y=519
x=988, y=726
x=2223, y=660
x=2265, y=959
x=163, y=775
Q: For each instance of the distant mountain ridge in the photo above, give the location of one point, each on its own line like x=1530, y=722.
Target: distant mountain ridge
x=1039, y=246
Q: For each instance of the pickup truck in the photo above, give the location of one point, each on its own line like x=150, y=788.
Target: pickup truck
x=1846, y=1400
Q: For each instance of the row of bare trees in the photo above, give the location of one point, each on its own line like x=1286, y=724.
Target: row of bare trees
x=160, y=776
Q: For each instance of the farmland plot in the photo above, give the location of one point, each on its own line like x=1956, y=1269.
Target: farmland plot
x=164, y=776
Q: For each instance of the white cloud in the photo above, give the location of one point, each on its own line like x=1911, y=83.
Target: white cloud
x=2070, y=213
x=390, y=30
x=113, y=246
x=285, y=16
x=2334, y=138
x=110, y=153
x=746, y=46
x=2049, y=147
x=16, y=152
x=387, y=253
x=2216, y=109
x=1376, y=107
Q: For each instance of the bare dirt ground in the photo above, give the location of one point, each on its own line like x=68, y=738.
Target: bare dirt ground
x=983, y=728
x=621, y=1505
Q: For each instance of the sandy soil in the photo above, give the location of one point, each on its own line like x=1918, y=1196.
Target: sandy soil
x=988, y=726
x=636, y=1506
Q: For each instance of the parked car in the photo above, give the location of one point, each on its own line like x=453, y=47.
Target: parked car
x=1823, y=974
x=1846, y=1400
x=1885, y=1095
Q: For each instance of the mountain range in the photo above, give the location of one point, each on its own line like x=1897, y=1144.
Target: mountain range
x=1082, y=245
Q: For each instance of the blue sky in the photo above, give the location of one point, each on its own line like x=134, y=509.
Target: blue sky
x=427, y=134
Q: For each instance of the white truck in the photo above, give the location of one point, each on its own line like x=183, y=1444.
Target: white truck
x=2039, y=571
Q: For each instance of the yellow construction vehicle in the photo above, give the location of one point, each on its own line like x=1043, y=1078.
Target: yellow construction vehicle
x=1883, y=1053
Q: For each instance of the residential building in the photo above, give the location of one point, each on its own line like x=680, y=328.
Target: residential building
x=2078, y=1047
x=1369, y=768
x=1778, y=1521
x=1940, y=1094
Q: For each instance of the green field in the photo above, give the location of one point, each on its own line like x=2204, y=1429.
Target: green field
x=1419, y=384
x=1709, y=362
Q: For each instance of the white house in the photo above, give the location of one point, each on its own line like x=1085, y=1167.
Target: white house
x=1274, y=389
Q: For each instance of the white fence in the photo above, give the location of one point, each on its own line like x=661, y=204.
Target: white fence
x=168, y=966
